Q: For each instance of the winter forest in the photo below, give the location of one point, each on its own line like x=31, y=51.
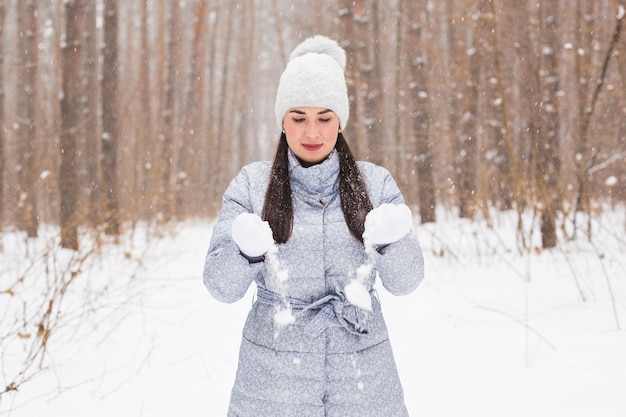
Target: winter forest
x=114, y=112
x=120, y=121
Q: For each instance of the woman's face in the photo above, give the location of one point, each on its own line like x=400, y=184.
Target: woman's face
x=311, y=133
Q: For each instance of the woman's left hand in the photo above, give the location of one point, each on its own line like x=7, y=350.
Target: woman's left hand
x=387, y=223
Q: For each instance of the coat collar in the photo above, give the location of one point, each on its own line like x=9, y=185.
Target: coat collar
x=320, y=180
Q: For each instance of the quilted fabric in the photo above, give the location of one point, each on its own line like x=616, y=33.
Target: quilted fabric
x=320, y=258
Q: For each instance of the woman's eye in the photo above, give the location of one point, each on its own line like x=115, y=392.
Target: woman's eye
x=325, y=120
x=298, y=120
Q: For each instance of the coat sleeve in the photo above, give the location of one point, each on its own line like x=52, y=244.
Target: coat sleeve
x=228, y=273
x=400, y=265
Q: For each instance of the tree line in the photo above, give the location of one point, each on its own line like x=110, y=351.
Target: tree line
x=115, y=112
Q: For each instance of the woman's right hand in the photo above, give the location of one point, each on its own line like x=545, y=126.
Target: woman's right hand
x=253, y=235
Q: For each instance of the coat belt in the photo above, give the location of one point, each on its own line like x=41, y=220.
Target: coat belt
x=332, y=307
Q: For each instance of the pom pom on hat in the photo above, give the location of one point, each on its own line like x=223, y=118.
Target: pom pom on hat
x=314, y=77
x=321, y=45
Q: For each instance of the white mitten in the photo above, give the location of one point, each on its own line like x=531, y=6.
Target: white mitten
x=387, y=223
x=253, y=235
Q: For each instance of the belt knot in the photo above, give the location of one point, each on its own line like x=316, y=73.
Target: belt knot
x=331, y=308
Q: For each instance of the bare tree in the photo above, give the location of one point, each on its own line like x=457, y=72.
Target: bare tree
x=110, y=117
x=169, y=131
x=547, y=148
x=348, y=33
x=432, y=95
x=28, y=218
x=247, y=88
x=529, y=102
x=589, y=93
x=456, y=47
x=90, y=84
x=368, y=26
x=71, y=121
x=2, y=122
x=192, y=112
x=501, y=157
x=466, y=144
x=278, y=26
x=145, y=135
x=222, y=118
x=419, y=111
x=621, y=41
x=620, y=192
x=362, y=42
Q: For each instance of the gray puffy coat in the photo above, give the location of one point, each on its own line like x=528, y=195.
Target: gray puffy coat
x=321, y=257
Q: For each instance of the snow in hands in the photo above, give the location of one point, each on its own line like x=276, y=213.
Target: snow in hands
x=253, y=236
x=255, y=239
x=283, y=315
x=385, y=224
x=355, y=291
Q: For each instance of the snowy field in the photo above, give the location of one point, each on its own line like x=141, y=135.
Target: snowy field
x=494, y=330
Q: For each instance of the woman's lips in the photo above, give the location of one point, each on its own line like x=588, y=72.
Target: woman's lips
x=312, y=147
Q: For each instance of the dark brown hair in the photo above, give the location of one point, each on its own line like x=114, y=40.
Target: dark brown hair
x=278, y=206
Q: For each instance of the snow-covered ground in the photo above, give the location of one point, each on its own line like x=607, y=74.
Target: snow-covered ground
x=492, y=330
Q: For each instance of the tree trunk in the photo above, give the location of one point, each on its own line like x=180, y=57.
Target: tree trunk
x=373, y=110
x=462, y=174
x=500, y=143
x=247, y=87
x=170, y=128
x=28, y=217
x=589, y=93
x=110, y=118
x=531, y=98
x=419, y=111
x=222, y=116
x=356, y=136
x=548, y=169
x=91, y=168
x=71, y=121
x=145, y=134
x=191, y=117
x=365, y=19
x=2, y=121
x=467, y=166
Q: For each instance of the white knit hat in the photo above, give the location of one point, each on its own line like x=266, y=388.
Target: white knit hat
x=314, y=77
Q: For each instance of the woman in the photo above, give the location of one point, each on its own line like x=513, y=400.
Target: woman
x=313, y=229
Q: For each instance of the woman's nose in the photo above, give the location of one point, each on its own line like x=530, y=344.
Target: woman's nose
x=312, y=130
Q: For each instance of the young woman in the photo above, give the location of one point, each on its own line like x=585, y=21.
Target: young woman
x=313, y=229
